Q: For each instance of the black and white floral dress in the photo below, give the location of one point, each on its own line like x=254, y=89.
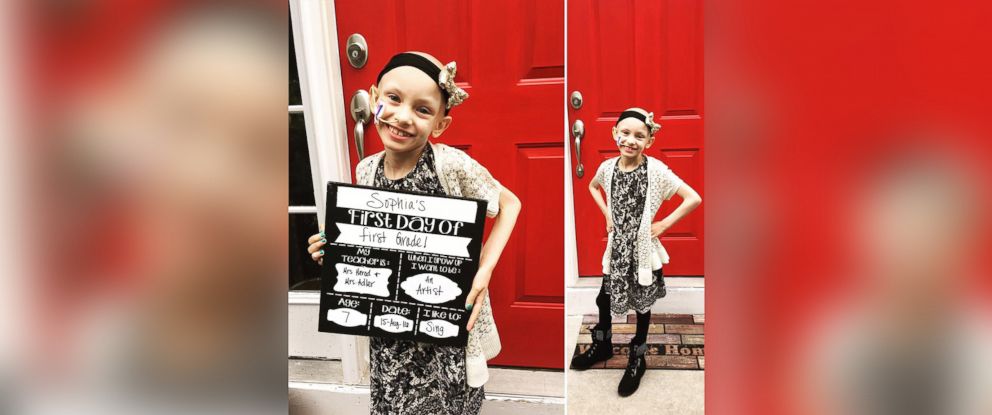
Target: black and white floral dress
x=627, y=206
x=419, y=378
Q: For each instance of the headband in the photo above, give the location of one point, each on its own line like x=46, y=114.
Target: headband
x=648, y=120
x=451, y=94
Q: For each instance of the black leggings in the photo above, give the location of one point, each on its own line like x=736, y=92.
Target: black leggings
x=606, y=322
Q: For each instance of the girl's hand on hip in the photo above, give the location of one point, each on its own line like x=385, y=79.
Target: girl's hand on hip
x=658, y=228
x=316, y=248
x=480, y=289
x=609, y=224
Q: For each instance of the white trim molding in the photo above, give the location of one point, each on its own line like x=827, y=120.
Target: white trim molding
x=315, y=36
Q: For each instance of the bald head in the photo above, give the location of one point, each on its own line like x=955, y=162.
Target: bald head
x=640, y=110
x=429, y=57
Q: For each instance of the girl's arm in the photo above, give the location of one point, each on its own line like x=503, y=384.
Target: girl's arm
x=690, y=200
x=598, y=197
x=509, y=209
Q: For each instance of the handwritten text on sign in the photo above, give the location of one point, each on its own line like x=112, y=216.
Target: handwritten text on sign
x=399, y=264
x=377, y=200
x=406, y=241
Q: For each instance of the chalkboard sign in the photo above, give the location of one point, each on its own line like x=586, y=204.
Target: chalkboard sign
x=399, y=264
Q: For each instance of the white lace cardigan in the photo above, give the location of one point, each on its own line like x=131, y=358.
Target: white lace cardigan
x=662, y=184
x=460, y=175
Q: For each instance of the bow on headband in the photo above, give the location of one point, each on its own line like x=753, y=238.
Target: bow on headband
x=446, y=79
x=652, y=126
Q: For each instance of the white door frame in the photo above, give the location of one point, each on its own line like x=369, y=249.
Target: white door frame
x=571, y=246
x=315, y=35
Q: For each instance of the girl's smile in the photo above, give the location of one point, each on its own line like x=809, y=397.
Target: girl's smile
x=399, y=134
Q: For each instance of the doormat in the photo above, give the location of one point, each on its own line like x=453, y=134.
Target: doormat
x=675, y=341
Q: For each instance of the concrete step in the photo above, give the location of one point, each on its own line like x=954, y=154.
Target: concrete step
x=661, y=392
x=685, y=296
x=311, y=398
x=315, y=387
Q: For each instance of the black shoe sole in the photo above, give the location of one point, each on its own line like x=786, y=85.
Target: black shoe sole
x=573, y=367
x=637, y=386
x=631, y=392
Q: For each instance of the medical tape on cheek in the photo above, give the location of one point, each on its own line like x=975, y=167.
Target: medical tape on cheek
x=620, y=140
x=378, y=112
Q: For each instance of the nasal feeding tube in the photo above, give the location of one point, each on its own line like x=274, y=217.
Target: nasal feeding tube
x=377, y=116
x=620, y=138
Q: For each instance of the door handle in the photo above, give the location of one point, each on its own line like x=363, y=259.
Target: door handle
x=578, y=131
x=361, y=113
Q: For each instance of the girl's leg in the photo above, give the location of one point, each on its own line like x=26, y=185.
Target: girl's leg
x=641, y=335
x=603, y=303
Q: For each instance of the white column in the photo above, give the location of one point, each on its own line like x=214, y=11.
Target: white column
x=315, y=33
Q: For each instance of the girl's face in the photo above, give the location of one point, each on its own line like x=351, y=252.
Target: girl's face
x=632, y=137
x=408, y=106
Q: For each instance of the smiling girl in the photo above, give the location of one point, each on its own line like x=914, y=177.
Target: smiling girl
x=412, y=99
x=635, y=185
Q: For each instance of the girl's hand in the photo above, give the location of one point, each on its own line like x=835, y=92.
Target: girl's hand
x=316, y=248
x=609, y=224
x=480, y=289
x=659, y=228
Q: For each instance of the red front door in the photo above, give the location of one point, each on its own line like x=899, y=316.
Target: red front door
x=644, y=54
x=511, y=61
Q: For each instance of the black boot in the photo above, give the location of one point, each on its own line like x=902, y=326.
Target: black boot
x=636, y=366
x=601, y=350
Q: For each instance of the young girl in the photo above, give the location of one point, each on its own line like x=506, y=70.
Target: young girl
x=635, y=185
x=412, y=98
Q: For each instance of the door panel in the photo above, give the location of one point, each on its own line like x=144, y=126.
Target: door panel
x=511, y=61
x=644, y=54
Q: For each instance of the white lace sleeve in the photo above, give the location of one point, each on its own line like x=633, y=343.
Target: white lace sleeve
x=365, y=169
x=670, y=183
x=478, y=183
x=600, y=172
